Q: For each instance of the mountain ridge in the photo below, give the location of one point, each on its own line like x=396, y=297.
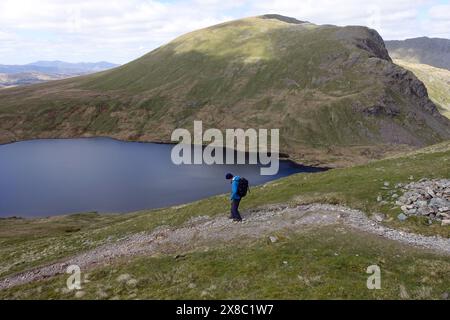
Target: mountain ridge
x=424, y=50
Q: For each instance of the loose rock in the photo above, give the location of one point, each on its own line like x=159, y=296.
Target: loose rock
x=132, y=283
x=428, y=198
x=123, y=277
x=192, y=285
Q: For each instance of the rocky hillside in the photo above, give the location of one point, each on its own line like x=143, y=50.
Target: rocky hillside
x=333, y=92
x=432, y=51
x=436, y=80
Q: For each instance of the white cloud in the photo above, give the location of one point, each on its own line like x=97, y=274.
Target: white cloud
x=393, y=19
x=440, y=12
x=5, y=36
x=121, y=30
x=113, y=28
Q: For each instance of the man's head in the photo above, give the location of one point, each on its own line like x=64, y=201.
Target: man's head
x=229, y=176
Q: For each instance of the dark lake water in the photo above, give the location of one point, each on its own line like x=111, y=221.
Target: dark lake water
x=53, y=177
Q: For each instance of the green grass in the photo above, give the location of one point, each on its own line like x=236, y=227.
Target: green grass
x=329, y=263
x=25, y=243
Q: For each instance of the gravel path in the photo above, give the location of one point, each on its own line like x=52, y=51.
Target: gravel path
x=206, y=231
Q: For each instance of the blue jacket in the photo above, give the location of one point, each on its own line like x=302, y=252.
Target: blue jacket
x=234, y=188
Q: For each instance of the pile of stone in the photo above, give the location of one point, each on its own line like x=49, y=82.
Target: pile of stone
x=429, y=198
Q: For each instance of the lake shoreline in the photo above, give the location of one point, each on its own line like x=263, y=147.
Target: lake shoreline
x=44, y=208
x=282, y=155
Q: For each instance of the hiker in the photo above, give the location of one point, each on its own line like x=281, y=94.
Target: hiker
x=239, y=188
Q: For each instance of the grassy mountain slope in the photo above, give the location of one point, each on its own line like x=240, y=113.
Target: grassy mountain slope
x=326, y=262
x=436, y=80
x=333, y=92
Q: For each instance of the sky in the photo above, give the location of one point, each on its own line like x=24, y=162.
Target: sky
x=119, y=31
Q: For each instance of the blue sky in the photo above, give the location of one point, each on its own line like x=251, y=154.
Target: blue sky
x=122, y=30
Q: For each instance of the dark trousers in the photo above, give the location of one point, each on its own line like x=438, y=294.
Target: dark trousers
x=235, y=209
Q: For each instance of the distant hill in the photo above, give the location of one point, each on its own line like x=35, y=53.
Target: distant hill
x=42, y=71
x=27, y=78
x=432, y=51
x=333, y=92
x=58, y=67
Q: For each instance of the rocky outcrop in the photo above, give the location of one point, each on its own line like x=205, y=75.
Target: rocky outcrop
x=410, y=86
x=375, y=45
x=428, y=198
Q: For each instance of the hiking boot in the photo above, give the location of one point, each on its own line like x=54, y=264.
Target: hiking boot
x=237, y=220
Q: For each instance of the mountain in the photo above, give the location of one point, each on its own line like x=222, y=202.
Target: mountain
x=432, y=51
x=333, y=92
x=43, y=71
x=26, y=78
x=436, y=80
x=58, y=67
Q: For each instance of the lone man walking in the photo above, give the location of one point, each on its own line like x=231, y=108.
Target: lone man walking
x=235, y=197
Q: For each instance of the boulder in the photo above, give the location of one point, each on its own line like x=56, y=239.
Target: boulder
x=439, y=203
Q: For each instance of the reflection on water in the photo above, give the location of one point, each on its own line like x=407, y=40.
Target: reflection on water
x=50, y=177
